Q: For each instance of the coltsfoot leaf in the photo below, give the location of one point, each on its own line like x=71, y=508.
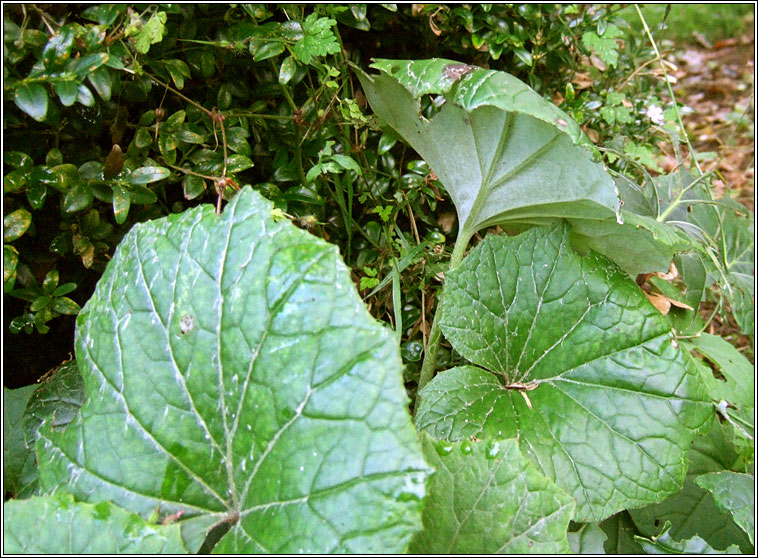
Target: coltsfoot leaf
x=574, y=361
x=233, y=373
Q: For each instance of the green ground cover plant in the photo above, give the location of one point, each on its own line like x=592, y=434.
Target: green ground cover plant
x=331, y=301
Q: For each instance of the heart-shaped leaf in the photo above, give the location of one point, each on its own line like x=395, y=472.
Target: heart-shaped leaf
x=505, y=154
x=233, y=373
x=579, y=366
x=486, y=498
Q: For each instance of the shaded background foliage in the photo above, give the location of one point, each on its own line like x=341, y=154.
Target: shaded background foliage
x=295, y=126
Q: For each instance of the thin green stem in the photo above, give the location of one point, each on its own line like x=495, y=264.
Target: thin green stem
x=675, y=203
x=668, y=85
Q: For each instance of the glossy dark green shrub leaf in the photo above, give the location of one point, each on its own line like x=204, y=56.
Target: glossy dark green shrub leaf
x=734, y=493
x=15, y=224
x=78, y=198
x=65, y=177
x=193, y=186
x=486, y=498
x=238, y=163
x=287, y=70
x=67, y=92
x=266, y=50
x=101, y=81
x=36, y=193
x=104, y=14
x=575, y=362
x=85, y=96
x=121, y=203
x=15, y=180
x=64, y=305
x=18, y=159
x=495, y=144
x=145, y=175
x=10, y=265
x=59, y=525
x=237, y=376
x=143, y=138
x=32, y=99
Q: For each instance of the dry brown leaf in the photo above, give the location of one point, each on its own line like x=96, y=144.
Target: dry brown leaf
x=662, y=303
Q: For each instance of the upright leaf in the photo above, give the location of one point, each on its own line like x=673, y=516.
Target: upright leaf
x=233, y=374
x=503, y=153
x=575, y=362
x=486, y=498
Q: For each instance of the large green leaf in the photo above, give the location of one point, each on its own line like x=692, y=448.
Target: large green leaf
x=576, y=363
x=486, y=498
x=233, y=373
x=734, y=493
x=58, y=525
x=19, y=469
x=503, y=153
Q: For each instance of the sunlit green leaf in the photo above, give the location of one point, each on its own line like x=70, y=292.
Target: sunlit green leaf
x=242, y=379
x=574, y=361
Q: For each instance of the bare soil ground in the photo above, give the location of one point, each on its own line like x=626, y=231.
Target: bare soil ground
x=718, y=82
